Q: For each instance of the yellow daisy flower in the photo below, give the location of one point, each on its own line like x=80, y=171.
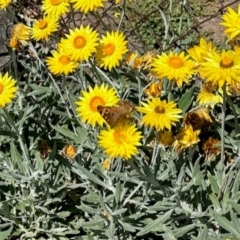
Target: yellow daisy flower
x=88, y=103
x=231, y=22
x=55, y=8
x=198, y=53
x=208, y=95
x=221, y=67
x=121, y=141
x=21, y=32
x=7, y=89
x=111, y=49
x=87, y=5
x=43, y=28
x=80, y=43
x=186, y=138
x=160, y=114
x=61, y=63
x=5, y=3
x=175, y=67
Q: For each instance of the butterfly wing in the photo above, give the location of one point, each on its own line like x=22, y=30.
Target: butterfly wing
x=127, y=107
x=107, y=113
x=116, y=115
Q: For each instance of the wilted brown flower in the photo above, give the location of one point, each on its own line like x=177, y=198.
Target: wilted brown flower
x=165, y=138
x=211, y=148
x=198, y=118
x=44, y=149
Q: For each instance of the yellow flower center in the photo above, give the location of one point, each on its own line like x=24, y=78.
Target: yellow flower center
x=64, y=60
x=96, y=101
x=55, y=2
x=120, y=137
x=79, y=42
x=226, y=62
x=109, y=49
x=159, y=109
x=42, y=24
x=70, y=151
x=1, y=88
x=175, y=62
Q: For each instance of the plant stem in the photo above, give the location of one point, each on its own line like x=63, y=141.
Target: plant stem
x=234, y=113
x=223, y=122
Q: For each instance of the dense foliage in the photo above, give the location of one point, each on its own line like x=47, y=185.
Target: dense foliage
x=99, y=141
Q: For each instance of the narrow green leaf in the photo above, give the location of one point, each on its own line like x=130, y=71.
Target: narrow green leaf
x=227, y=225
x=89, y=209
x=4, y=234
x=235, y=205
x=234, y=219
x=64, y=214
x=215, y=201
x=127, y=226
x=118, y=192
x=72, y=101
x=204, y=234
x=185, y=100
x=17, y=158
x=93, y=223
x=119, y=211
x=156, y=224
x=69, y=134
x=179, y=232
x=60, y=113
x=38, y=90
x=225, y=201
x=81, y=170
x=214, y=185
x=58, y=230
x=111, y=231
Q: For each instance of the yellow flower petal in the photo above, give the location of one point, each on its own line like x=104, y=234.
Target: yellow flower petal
x=87, y=104
x=111, y=49
x=121, y=141
x=160, y=114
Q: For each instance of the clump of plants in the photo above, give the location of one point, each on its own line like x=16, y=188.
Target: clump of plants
x=100, y=142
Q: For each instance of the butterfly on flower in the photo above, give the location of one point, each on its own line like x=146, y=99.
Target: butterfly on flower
x=116, y=115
